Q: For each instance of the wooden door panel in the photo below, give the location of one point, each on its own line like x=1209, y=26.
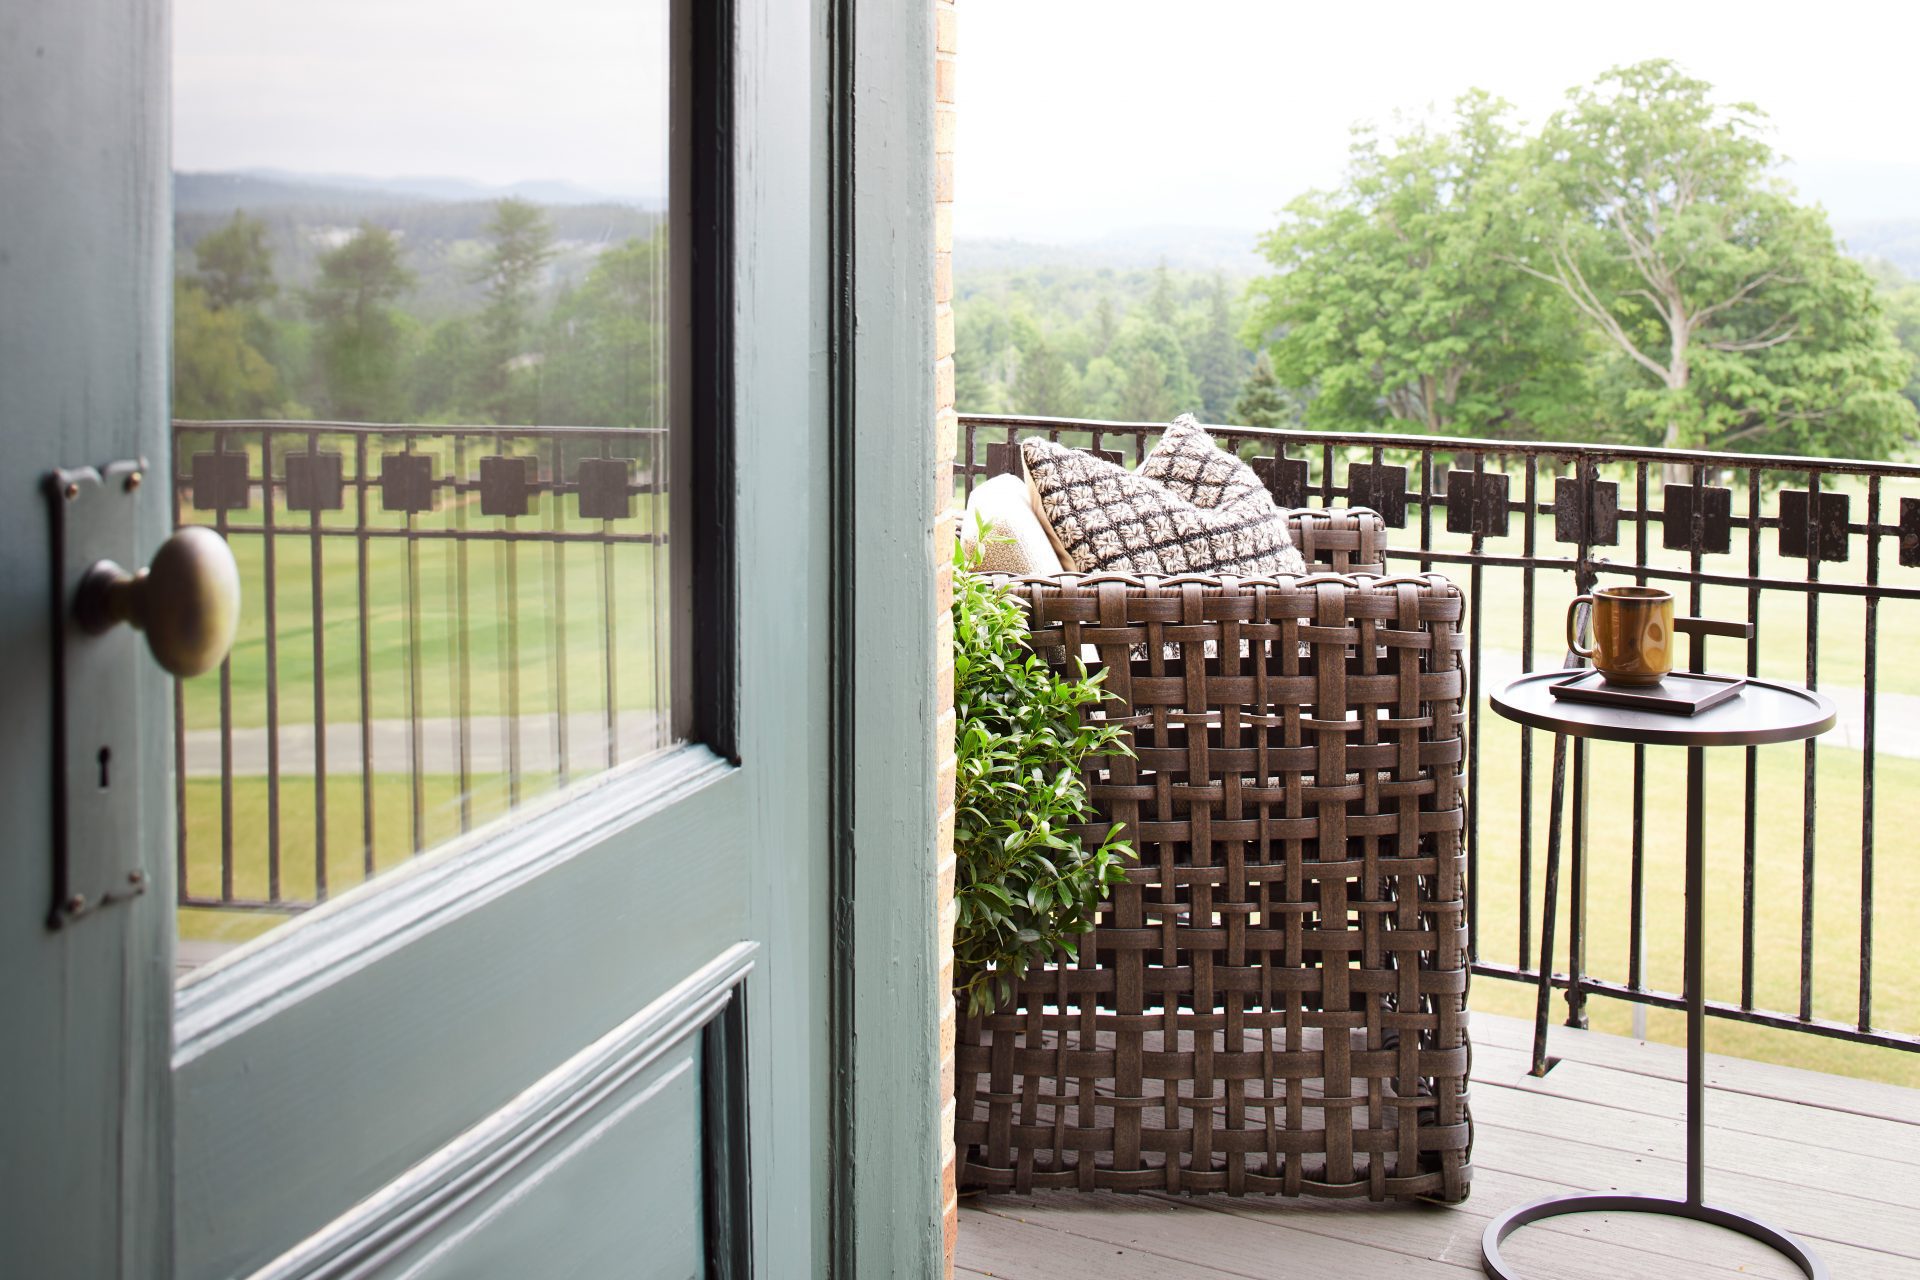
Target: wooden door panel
x=608, y=1158
x=621, y=1199
x=314, y=1085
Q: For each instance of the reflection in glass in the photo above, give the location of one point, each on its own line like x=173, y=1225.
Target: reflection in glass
x=429, y=413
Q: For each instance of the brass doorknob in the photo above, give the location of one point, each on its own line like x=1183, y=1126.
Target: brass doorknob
x=187, y=601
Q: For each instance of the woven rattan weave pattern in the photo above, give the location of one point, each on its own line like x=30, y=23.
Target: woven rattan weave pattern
x=1275, y=1001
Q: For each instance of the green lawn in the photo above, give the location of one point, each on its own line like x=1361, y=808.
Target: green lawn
x=559, y=598
x=346, y=843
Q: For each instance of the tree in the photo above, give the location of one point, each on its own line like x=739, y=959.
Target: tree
x=605, y=342
x=1652, y=210
x=357, y=346
x=1215, y=352
x=1263, y=402
x=1161, y=305
x=1106, y=326
x=1900, y=301
x=441, y=379
x=217, y=371
x=1387, y=300
x=1046, y=384
x=1156, y=383
x=235, y=267
x=522, y=237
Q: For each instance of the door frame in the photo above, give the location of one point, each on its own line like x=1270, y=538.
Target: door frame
x=886, y=959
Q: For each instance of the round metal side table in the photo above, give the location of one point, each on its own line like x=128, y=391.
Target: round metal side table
x=1764, y=711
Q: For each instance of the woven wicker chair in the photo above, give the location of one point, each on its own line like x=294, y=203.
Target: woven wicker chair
x=1275, y=1001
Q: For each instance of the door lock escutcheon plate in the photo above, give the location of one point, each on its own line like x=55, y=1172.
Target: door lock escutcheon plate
x=96, y=854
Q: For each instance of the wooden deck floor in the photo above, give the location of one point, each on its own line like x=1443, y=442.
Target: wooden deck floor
x=1836, y=1161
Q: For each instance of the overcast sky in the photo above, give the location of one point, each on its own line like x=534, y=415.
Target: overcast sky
x=497, y=91
x=1080, y=118
x=1077, y=117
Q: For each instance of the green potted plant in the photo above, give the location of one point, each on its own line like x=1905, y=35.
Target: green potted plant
x=1026, y=884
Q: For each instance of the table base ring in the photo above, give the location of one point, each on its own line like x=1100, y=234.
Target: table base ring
x=1554, y=1206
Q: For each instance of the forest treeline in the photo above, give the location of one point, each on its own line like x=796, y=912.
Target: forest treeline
x=516, y=347
x=1631, y=270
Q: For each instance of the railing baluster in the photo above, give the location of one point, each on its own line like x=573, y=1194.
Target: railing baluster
x=270, y=605
x=1750, y=852
x=1868, y=744
x=606, y=630
x=416, y=727
x=463, y=640
x=1526, y=736
x=1814, y=542
x=363, y=549
x=182, y=888
x=557, y=581
x=226, y=724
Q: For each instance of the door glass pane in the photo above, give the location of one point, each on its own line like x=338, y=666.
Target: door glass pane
x=421, y=383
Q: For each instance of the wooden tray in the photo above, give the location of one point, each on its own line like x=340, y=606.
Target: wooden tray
x=1681, y=693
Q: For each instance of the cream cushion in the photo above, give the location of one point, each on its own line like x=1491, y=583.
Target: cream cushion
x=1016, y=542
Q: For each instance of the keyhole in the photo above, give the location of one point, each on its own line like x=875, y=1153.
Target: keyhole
x=106, y=758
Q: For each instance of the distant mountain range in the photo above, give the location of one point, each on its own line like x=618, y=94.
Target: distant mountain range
x=1229, y=252
x=1234, y=253
x=256, y=189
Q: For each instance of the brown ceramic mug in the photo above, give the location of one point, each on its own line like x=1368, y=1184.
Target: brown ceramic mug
x=1632, y=633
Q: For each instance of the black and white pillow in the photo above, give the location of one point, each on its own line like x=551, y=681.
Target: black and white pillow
x=1190, y=508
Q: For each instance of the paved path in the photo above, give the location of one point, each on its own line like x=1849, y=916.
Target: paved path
x=490, y=738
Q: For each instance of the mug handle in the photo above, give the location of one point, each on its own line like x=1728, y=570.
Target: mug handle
x=1573, y=635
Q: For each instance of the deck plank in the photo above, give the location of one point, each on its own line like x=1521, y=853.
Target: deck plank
x=1731, y=1075
x=1435, y=1230
x=1813, y=1154
x=1814, y=1128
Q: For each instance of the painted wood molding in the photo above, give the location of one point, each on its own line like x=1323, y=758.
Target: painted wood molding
x=344, y=936
x=527, y=1133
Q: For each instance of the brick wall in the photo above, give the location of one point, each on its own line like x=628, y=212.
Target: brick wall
x=946, y=433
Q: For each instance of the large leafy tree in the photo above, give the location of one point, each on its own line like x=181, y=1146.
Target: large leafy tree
x=1651, y=209
x=223, y=346
x=234, y=264
x=1387, y=297
x=217, y=370
x=358, y=338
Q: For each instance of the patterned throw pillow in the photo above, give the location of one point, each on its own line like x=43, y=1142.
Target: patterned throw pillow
x=1190, y=508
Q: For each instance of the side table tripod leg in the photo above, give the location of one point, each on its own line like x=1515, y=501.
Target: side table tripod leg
x=1695, y=975
x=1550, y=906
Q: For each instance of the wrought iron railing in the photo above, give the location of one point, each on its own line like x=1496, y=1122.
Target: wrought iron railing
x=1783, y=543
x=416, y=654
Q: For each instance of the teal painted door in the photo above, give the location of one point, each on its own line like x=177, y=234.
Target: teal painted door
x=595, y=1039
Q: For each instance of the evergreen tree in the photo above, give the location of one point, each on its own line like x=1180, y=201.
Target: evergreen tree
x=1263, y=402
x=1218, y=359
x=522, y=237
x=1161, y=306
x=606, y=341
x=235, y=267
x=1106, y=326
x=1046, y=385
x=357, y=346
